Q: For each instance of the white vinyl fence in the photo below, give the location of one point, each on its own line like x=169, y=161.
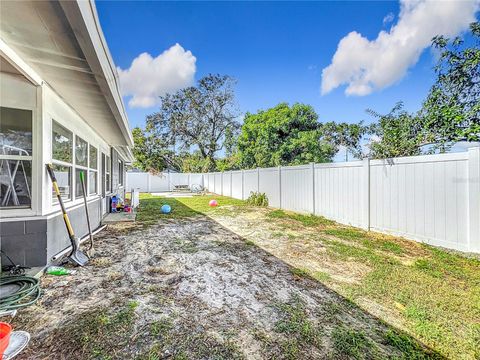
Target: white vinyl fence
x=146, y=182
x=433, y=198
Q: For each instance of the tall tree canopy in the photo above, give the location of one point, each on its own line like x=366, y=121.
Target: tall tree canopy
x=201, y=117
x=452, y=109
x=151, y=153
x=283, y=135
x=398, y=133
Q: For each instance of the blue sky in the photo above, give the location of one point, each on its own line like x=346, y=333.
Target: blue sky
x=275, y=50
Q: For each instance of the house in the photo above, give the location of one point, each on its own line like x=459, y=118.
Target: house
x=60, y=103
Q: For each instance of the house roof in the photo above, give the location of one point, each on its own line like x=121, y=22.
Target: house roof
x=63, y=42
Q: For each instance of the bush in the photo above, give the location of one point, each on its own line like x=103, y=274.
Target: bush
x=257, y=199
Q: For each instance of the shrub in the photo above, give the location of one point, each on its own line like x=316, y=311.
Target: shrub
x=257, y=199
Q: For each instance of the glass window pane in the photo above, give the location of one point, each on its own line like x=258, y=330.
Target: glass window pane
x=64, y=181
x=78, y=184
x=15, y=183
x=81, y=152
x=93, y=157
x=62, y=140
x=15, y=131
x=109, y=165
x=92, y=176
x=107, y=180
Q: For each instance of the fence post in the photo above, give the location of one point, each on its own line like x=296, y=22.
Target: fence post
x=169, y=181
x=312, y=168
x=474, y=199
x=149, y=183
x=366, y=194
x=280, y=186
x=231, y=181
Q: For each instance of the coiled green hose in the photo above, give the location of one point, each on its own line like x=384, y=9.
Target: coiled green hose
x=27, y=293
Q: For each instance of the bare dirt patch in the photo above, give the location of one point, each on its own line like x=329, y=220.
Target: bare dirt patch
x=193, y=289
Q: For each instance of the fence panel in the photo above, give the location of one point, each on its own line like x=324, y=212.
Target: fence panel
x=270, y=185
x=340, y=192
x=137, y=181
x=218, y=183
x=423, y=198
x=432, y=198
x=159, y=183
x=237, y=185
x=226, y=184
x=297, y=188
x=250, y=182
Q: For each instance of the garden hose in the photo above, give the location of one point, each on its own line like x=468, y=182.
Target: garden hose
x=27, y=292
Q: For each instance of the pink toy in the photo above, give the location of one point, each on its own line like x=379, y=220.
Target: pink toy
x=213, y=203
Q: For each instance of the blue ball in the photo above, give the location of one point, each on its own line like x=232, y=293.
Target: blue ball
x=166, y=209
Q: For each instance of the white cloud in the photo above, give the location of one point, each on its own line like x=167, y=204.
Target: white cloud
x=149, y=77
x=365, y=66
x=388, y=18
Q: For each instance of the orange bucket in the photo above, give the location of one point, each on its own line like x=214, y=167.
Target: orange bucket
x=5, y=330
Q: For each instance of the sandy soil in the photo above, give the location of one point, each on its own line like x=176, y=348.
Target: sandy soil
x=221, y=296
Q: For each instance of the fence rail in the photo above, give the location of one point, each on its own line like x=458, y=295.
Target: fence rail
x=433, y=198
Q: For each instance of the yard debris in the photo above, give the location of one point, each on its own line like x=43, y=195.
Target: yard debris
x=59, y=271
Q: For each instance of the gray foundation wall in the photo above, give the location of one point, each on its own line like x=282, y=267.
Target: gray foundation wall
x=34, y=242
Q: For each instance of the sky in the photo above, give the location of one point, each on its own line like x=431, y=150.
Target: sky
x=339, y=57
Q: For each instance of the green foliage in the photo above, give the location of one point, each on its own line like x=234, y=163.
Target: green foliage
x=151, y=153
x=349, y=136
x=283, y=135
x=199, y=117
x=399, y=133
x=452, y=108
x=257, y=199
x=451, y=112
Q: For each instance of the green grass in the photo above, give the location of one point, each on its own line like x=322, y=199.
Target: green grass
x=352, y=344
x=183, y=207
x=295, y=323
x=305, y=220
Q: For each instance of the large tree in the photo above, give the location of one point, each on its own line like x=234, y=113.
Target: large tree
x=151, y=153
x=283, y=135
x=348, y=136
x=452, y=109
x=398, y=133
x=201, y=117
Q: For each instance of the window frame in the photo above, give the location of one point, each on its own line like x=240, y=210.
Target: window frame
x=22, y=158
x=92, y=170
x=65, y=164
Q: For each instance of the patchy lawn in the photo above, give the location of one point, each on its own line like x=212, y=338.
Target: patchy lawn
x=237, y=282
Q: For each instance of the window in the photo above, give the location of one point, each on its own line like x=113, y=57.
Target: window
x=62, y=158
x=120, y=172
x=108, y=172
x=93, y=172
x=81, y=165
x=15, y=157
x=81, y=152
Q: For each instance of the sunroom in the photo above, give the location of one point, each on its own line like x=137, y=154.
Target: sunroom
x=59, y=103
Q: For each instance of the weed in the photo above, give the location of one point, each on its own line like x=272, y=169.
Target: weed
x=257, y=199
